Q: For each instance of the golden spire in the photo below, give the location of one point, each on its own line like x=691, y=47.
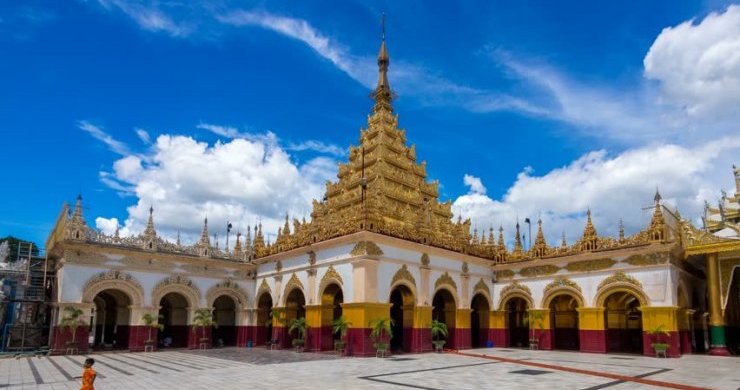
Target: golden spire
x=563, y=244
x=657, y=223
x=238, y=245
x=77, y=227
x=517, y=243
x=382, y=93
x=149, y=231
x=540, y=245
x=491, y=240
x=621, y=231
x=588, y=241
x=204, y=239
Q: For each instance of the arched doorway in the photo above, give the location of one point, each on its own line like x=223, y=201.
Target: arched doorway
x=623, y=323
x=516, y=320
x=564, y=321
x=445, y=310
x=479, y=316
x=111, y=319
x=732, y=314
x=263, y=331
x=295, y=307
x=173, y=307
x=331, y=309
x=224, y=315
x=402, y=309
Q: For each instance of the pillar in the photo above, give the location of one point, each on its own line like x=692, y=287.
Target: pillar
x=685, y=330
x=139, y=333
x=314, y=324
x=541, y=328
x=591, y=329
x=63, y=337
x=461, y=340
x=718, y=346
x=361, y=315
x=667, y=318
x=421, y=333
x=497, y=328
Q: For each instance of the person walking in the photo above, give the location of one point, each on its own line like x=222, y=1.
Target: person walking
x=88, y=375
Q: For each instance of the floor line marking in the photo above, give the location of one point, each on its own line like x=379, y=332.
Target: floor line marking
x=138, y=358
x=619, y=382
x=132, y=364
x=35, y=371
x=375, y=378
x=61, y=370
x=587, y=372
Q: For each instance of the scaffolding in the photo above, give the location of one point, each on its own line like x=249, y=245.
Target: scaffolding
x=25, y=311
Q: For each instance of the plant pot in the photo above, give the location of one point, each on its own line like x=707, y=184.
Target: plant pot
x=438, y=345
x=339, y=344
x=381, y=346
x=659, y=347
x=298, y=342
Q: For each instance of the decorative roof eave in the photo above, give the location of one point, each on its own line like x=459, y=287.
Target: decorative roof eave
x=183, y=257
x=728, y=245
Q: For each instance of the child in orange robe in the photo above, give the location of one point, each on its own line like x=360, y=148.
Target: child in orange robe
x=88, y=375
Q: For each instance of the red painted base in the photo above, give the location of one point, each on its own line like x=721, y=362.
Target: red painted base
x=461, y=340
x=592, y=341
x=138, y=335
x=242, y=335
x=500, y=337
x=673, y=341
x=359, y=342
x=196, y=334
x=421, y=339
x=719, y=351
x=544, y=338
x=685, y=337
x=62, y=337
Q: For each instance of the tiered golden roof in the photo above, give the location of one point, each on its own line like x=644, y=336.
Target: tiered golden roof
x=727, y=212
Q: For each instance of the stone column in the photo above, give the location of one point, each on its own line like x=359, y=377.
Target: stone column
x=139, y=334
x=591, y=329
x=364, y=307
x=62, y=336
x=716, y=319
x=667, y=318
x=497, y=331
x=421, y=333
x=461, y=340
x=245, y=326
x=541, y=328
x=314, y=321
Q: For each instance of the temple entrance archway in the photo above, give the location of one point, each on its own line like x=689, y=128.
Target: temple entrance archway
x=295, y=307
x=479, y=317
x=564, y=321
x=402, y=308
x=111, y=318
x=623, y=323
x=173, y=307
x=331, y=310
x=445, y=310
x=224, y=315
x=516, y=321
x=263, y=332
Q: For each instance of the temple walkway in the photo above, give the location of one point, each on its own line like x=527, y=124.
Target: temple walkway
x=232, y=368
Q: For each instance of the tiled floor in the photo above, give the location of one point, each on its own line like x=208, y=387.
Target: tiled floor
x=232, y=368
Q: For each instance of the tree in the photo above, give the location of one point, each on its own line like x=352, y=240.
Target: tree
x=298, y=325
x=203, y=319
x=438, y=328
x=534, y=318
x=71, y=320
x=153, y=322
x=14, y=243
x=341, y=326
x=380, y=327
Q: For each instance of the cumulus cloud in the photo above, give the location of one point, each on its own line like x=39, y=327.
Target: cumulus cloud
x=698, y=64
x=613, y=187
x=242, y=181
x=475, y=184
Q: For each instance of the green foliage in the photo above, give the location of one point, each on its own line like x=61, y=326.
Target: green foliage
x=299, y=325
x=341, y=326
x=71, y=320
x=534, y=319
x=153, y=322
x=658, y=330
x=439, y=328
x=14, y=242
x=279, y=316
x=379, y=327
x=203, y=319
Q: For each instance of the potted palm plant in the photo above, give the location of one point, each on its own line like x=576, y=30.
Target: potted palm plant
x=340, y=326
x=381, y=327
x=71, y=321
x=658, y=335
x=439, y=329
x=275, y=315
x=298, y=325
x=203, y=319
x=534, y=319
x=152, y=321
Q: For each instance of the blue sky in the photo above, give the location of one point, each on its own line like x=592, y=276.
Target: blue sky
x=240, y=110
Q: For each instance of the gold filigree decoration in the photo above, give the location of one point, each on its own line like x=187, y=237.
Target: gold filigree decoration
x=647, y=259
x=515, y=286
x=425, y=259
x=562, y=282
x=481, y=286
x=590, y=265
x=504, y=274
x=178, y=283
x=403, y=273
x=366, y=248
x=445, y=278
x=465, y=268
x=620, y=277
x=294, y=282
x=227, y=287
x=330, y=276
x=539, y=270
x=278, y=266
x=113, y=279
x=264, y=287
x=311, y=258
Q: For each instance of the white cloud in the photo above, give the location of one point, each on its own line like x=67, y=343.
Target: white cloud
x=240, y=181
x=143, y=135
x=114, y=145
x=698, y=65
x=614, y=187
x=270, y=138
x=475, y=184
x=148, y=16
x=317, y=146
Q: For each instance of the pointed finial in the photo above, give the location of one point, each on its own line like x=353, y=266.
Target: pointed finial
x=657, y=195
x=382, y=25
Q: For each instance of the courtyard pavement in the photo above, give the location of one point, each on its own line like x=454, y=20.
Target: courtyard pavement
x=257, y=368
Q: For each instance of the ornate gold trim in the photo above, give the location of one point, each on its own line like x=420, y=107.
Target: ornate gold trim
x=647, y=259
x=515, y=289
x=562, y=281
x=227, y=287
x=425, y=259
x=113, y=279
x=445, y=278
x=504, y=274
x=179, y=284
x=539, y=270
x=403, y=273
x=620, y=277
x=590, y=265
x=330, y=276
x=293, y=283
x=481, y=286
x=366, y=248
